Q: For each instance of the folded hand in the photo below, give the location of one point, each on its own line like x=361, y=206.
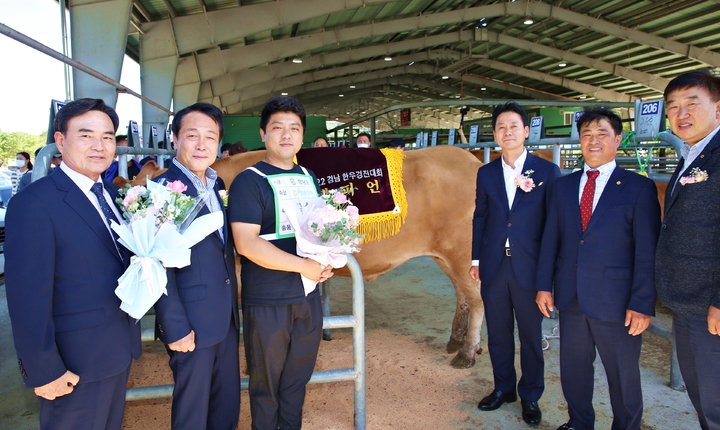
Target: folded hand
x=186, y=344
x=59, y=387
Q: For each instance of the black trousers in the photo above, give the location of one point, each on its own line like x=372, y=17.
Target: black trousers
x=281, y=347
x=620, y=354
x=505, y=303
x=207, y=385
x=97, y=405
x=698, y=354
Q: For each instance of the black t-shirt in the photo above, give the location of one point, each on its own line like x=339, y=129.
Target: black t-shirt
x=252, y=201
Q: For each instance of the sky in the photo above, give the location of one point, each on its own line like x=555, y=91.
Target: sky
x=29, y=79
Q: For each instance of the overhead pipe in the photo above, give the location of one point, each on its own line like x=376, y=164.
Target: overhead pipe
x=32, y=43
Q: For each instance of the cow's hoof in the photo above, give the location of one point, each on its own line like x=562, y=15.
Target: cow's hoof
x=462, y=362
x=453, y=346
x=327, y=336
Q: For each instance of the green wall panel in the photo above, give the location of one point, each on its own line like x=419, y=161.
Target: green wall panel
x=247, y=130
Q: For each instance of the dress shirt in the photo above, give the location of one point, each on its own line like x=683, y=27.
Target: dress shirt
x=690, y=152
x=600, y=182
x=211, y=202
x=85, y=184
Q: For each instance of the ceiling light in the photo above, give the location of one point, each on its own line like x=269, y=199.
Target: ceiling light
x=284, y=94
x=457, y=97
x=411, y=63
x=583, y=97
x=483, y=88
x=352, y=86
x=445, y=77
x=341, y=95
x=336, y=119
x=388, y=58
x=347, y=113
x=563, y=64
x=297, y=60
x=362, y=113
x=484, y=24
x=528, y=21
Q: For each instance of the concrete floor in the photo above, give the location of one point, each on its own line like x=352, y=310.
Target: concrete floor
x=429, y=317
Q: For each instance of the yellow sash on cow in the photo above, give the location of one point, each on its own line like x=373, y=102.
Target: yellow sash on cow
x=382, y=225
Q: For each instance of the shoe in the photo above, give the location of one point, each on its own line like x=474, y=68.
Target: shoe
x=495, y=400
x=531, y=412
x=565, y=426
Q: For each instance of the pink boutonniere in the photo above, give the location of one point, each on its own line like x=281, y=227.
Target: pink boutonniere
x=525, y=182
x=696, y=175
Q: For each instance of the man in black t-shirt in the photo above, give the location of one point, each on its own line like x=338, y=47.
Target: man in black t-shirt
x=282, y=326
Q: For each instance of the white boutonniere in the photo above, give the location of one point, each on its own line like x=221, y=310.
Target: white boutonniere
x=525, y=182
x=696, y=175
x=223, y=197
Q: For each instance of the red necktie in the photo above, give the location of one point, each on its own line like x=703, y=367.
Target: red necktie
x=586, y=202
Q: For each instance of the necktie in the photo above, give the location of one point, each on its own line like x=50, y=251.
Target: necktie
x=586, y=202
x=97, y=189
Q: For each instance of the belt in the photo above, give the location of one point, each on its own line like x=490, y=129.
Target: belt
x=507, y=252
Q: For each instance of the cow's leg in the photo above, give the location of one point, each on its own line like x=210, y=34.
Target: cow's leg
x=466, y=356
x=465, y=334
x=458, y=333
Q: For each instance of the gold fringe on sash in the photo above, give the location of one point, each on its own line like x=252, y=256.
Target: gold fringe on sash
x=386, y=224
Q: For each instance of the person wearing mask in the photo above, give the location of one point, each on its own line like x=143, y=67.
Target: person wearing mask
x=363, y=140
x=22, y=161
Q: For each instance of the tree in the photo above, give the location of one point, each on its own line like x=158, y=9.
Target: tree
x=12, y=143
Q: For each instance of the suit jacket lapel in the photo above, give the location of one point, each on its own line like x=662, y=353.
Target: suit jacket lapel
x=612, y=188
x=529, y=165
x=674, y=189
x=79, y=202
x=499, y=179
x=572, y=196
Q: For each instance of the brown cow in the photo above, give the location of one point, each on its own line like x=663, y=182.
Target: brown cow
x=440, y=187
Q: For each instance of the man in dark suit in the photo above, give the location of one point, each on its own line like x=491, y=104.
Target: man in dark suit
x=198, y=319
x=687, y=267
x=74, y=344
x=509, y=219
x=599, y=254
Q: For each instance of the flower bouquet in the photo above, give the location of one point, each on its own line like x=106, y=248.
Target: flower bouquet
x=161, y=228
x=325, y=229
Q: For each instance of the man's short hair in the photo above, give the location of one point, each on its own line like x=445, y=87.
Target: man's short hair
x=397, y=142
x=363, y=134
x=509, y=107
x=81, y=107
x=225, y=147
x=120, y=137
x=282, y=104
x=206, y=108
x=599, y=113
x=700, y=79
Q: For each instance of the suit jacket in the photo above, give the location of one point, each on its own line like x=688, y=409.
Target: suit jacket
x=61, y=273
x=523, y=223
x=610, y=266
x=687, y=267
x=203, y=295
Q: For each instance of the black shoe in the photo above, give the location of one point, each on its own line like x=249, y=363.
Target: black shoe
x=495, y=400
x=531, y=412
x=565, y=426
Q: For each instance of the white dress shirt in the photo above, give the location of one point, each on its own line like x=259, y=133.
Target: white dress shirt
x=600, y=182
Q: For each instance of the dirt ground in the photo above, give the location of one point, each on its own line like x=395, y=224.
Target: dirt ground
x=410, y=383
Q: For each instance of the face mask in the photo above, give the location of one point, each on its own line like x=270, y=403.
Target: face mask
x=20, y=163
x=363, y=145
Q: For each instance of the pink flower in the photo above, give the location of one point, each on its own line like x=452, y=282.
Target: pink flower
x=353, y=213
x=525, y=182
x=177, y=187
x=339, y=198
x=129, y=199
